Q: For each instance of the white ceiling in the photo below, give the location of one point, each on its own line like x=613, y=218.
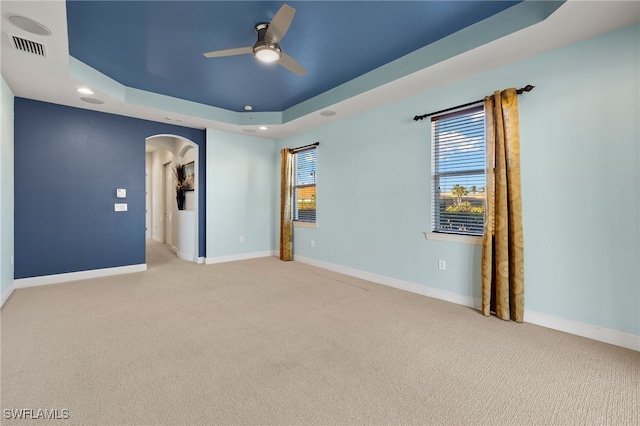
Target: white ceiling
x=48, y=79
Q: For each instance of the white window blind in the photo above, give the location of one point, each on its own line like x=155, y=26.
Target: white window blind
x=458, y=172
x=304, y=171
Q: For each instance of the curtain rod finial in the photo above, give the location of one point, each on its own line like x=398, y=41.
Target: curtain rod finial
x=526, y=88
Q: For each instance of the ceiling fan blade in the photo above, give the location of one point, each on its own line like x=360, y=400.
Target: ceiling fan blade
x=229, y=52
x=280, y=23
x=292, y=65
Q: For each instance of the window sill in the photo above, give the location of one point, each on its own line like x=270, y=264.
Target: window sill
x=453, y=238
x=300, y=224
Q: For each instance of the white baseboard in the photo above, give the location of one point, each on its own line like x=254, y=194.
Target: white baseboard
x=613, y=337
x=242, y=256
x=5, y=294
x=75, y=276
x=606, y=335
x=395, y=283
x=184, y=256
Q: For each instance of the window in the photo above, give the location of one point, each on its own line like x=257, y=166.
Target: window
x=304, y=185
x=458, y=168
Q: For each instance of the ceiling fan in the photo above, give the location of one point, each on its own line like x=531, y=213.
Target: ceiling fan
x=267, y=48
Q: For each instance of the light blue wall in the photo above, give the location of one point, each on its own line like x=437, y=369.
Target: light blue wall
x=240, y=198
x=580, y=161
x=6, y=187
x=581, y=180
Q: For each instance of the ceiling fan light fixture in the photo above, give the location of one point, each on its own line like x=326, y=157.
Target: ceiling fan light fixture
x=267, y=51
x=266, y=48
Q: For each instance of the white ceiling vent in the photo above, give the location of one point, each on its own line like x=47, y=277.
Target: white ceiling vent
x=28, y=46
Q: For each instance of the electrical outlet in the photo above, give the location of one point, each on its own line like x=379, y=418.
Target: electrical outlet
x=242, y=239
x=442, y=265
x=120, y=207
x=313, y=243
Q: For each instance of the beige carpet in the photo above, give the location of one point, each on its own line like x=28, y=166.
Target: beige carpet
x=264, y=342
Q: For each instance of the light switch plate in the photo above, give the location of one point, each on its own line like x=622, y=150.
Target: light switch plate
x=121, y=207
x=121, y=193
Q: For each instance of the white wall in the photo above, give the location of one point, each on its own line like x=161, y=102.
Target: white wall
x=159, y=158
x=6, y=191
x=191, y=196
x=148, y=187
x=240, y=197
x=580, y=178
x=185, y=227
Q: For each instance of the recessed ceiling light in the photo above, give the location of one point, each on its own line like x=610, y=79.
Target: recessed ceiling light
x=29, y=25
x=328, y=113
x=85, y=90
x=248, y=108
x=249, y=130
x=93, y=101
x=263, y=127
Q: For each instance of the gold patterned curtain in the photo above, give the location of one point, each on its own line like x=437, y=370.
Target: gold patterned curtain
x=286, y=199
x=503, y=241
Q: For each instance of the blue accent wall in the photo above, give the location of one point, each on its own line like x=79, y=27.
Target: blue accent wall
x=68, y=164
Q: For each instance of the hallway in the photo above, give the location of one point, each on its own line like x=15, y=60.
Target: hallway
x=158, y=254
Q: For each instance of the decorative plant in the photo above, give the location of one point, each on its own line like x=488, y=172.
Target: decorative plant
x=180, y=177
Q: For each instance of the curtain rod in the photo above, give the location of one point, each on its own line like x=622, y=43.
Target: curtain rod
x=526, y=88
x=300, y=148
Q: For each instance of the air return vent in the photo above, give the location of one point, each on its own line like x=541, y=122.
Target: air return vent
x=28, y=46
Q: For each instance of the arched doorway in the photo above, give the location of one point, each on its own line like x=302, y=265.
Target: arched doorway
x=164, y=222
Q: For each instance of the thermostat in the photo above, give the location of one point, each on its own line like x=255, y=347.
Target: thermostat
x=121, y=193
